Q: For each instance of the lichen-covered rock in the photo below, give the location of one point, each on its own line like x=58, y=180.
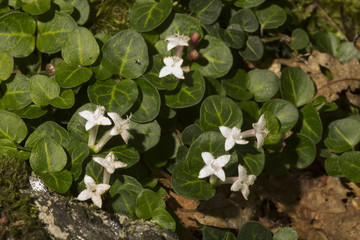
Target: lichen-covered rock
x=66, y=218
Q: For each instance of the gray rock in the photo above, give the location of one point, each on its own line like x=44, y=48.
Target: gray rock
x=67, y=218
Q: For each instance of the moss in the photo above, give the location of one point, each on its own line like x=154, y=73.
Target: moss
x=17, y=213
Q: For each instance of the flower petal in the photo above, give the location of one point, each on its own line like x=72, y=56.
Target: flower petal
x=225, y=131
x=222, y=160
x=97, y=200
x=207, y=158
x=206, y=171
x=84, y=195
x=166, y=70
x=178, y=72
x=220, y=174
x=229, y=144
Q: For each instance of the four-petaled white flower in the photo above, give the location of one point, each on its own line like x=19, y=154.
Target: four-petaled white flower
x=172, y=66
x=176, y=40
x=109, y=162
x=243, y=181
x=260, y=130
x=213, y=166
x=93, y=191
x=95, y=118
x=121, y=126
x=233, y=136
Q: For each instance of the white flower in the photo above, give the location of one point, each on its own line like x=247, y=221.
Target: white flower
x=213, y=166
x=121, y=126
x=95, y=118
x=109, y=162
x=93, y=191
x=260, y=130
x=172, y=66
x=177, y=40
x=243, y=182
x=233, y=136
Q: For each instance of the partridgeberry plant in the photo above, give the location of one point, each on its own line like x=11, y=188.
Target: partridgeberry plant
x=186, y=90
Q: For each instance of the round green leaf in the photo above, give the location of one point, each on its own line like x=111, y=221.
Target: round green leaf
x=58, y=181
x=246, y=19
x=82, y=11
x=332, y=167
x=17, y=94
x=147, y=202
x=123, y=192
x=263, y=84
x=115, y=97
x=63, y=6
x=80, y=48
x=218, y=55
x=349, y=164
x=182, y=24
x=248, y=3
x=234, y=36
x=6, y=64
x=296, y=86
x=253, y=50
x=252, y=158
x=65, y=100
x=250, y=111
x=144, y=136
x=311, y=123
x=124, y=51
x=7, y=146
x=43, y=89
x=326, y=42
x=190, y=134
x=188, y=93
x=299, y=39
x=12, y=126
x=69, y=76
x=78, y=152
x=286, y=233
x=17, y=31
x=343, y=135
x=53, y=32
x=162, y=218
x=218, y=111
x=271, y=17
x=47, y=156
x=346, y=51
x=207, y=11
x=236, y=86
x=302, y=150
x=32, y=111
x=146, y=15
x=255, y=231
x=148, y=103
x=285, y=111
x=36, y=7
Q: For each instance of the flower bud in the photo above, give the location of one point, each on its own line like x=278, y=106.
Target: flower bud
x=194, y=54
x=195, y=37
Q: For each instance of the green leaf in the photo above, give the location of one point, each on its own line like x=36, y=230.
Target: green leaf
x=332, y=167
x=255, y=231
x=58, y=181
x=271, y=17
x=69, y=76
x=218, y=111
x=299, y=39
x=6, y=64
x=263, y=84
x=123, y=192
x=246, y=19
x=36, y=7
x=250, y=111
x=81, y=12
x=78, y=152
x=49, y=129
x=349, y=164
x=236, y=86
x=80, y=47
x=12, y=126
x=147, y=202
x=123, y=51
x=30, y=112
x=343, y=135
x=126, y=154
x=94, y=170
x=253, y=50
x=43, y=89
x=302, y=150
x=207, y=11
x=65, y=100
x=144, y=136
x=286, y=233
x=248, y=3
x=252, y=158
x=146, y=15
x=188, y=93
x=53, y=32
x=190, y=134
x=47, y=156
x=7, y=146
x=148, y=103
x=311, y=123
x=346, y=51
x=285, y=111
x=233, y=35
x=116, y=97
x=296, y=86
x=162, y=218
x=326, y=42
x=218, y=56
x=17, y=31
x=165, y=83
x=213, y=233
x=17, y=94
x=63, y=6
